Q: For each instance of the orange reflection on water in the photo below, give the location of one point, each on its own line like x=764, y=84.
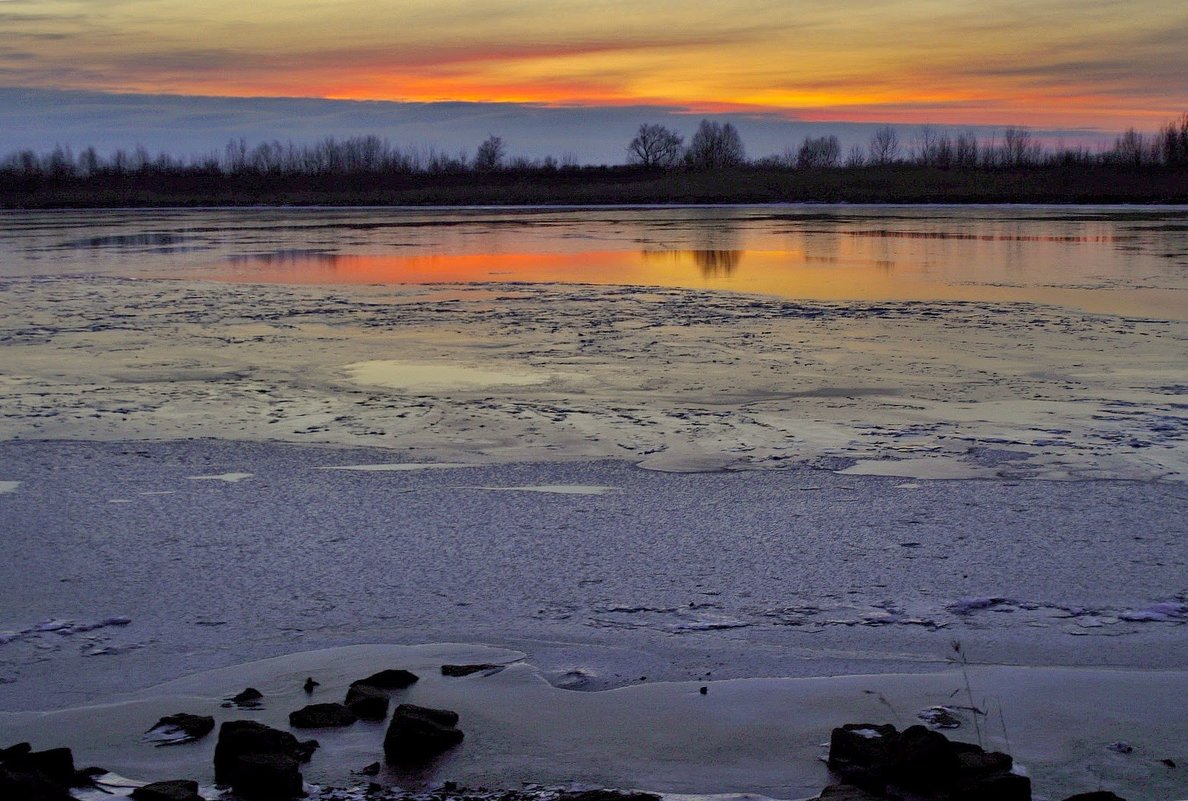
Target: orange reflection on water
x=843, y=275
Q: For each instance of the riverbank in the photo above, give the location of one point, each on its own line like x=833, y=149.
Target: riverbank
x=592, y=186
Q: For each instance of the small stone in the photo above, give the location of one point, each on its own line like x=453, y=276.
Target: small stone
x=1096, y=795
x=250, y=697
x=1167, y=763
x=703, y=690
x=370, y=770
x=1121, y=747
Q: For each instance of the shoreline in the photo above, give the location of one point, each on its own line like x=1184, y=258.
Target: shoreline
x=598, y=186
x=743, y=736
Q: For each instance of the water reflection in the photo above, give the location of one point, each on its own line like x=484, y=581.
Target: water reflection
x=1123, y=260
x=711, y=263
x=714, y=263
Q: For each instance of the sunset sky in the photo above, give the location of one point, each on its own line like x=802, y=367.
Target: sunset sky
x=1064, y=65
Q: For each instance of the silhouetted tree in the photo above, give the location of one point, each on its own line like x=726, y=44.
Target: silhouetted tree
x=715, y=146
x=1019, y=148
x=1173, y=142
x=856, y=157
x=818, y=152
x=490, y=154
x=965, y=153
x=655, y=146
x=1132, y=149
x=884, y=146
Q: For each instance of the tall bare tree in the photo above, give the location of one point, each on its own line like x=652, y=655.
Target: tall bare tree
x=655, y=146
x=884, y=146
x=490, y=154
x=715, y=146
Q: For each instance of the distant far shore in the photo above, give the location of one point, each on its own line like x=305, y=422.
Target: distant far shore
x=899, y=183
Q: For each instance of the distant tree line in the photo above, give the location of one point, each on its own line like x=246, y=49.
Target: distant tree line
x=713, y=146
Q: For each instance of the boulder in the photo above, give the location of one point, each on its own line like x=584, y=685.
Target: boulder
x=389, y=680
x=417, y=733
x=921, y=759
x=240, y=739
x=267, y=777
x=174, y=790
x=1097, y=795
x=924, y=762
x=369, y=703
x=29, y=785
x=28, y=775
x=466, y=670
x=321, y=716
x=1000, y=786
x=859, y=753
x=180, y=728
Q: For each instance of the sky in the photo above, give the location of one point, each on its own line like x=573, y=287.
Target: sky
x=1061, y=66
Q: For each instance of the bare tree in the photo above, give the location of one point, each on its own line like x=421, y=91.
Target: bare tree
x=815, y=153
x=1132, y=149
x=966, y=152
x=490, y=154
x=856, y=157
x=1173, y=142
x=1019, y=148
x=715, y=146
x=884, y=146
x=655, y=146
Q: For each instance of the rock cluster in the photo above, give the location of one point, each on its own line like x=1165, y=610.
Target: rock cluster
x=41, y=775
x=887, y=763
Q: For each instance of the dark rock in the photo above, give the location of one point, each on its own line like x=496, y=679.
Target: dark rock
x=267, y=777
x=1170, y=763
x=55, y=764
x=321, y=716
x=606, y=795
x=1098, y=795
x=924, y=762
x=309, y=685
x=859, y=753
x=417, y=733
x=846, y=792
x=370, y=770
x=180, y=728
x=466, y=670
x=369, y=703
x=29, y=785
x=251, y=697
x=922, y=759
x=239, y=738
x=389, y=679
x=703, y=690
x=1000, y=786
x=28, y=775
x=175, y=790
